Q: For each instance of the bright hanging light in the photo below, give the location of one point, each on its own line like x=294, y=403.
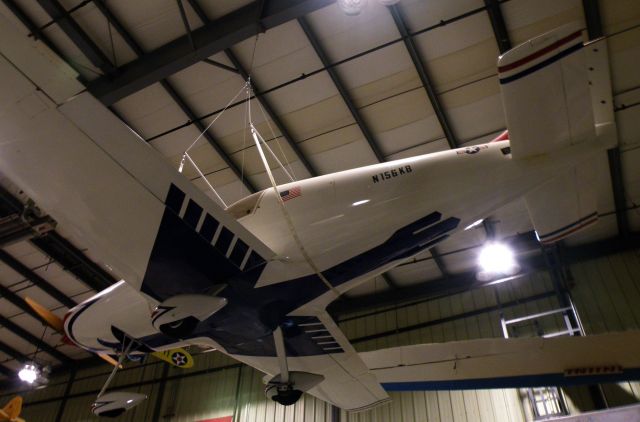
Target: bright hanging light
x=352, y=7
x=28, y=373
x=497, y=259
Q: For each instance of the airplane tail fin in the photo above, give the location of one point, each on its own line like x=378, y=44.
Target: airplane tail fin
x=13, y=408
x=563, y=205
x=547, y=90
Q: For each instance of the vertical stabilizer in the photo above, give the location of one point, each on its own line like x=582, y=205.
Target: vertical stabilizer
x=563, y=205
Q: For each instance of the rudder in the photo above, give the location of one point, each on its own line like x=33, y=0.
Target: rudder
x=563, y=205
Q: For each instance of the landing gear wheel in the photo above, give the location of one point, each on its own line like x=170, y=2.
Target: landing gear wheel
x=287, y=397
x=180, y=329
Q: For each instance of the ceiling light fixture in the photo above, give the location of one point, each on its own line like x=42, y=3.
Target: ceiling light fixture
x=352, y=7
x=29, y=373
x=496, y=259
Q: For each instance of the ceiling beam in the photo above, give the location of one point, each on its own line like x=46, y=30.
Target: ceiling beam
x=524, y=245
x=266, y=105
x=69, y=26
x=6, y=371
x=594, y=29
x=418, y=63
x=346, y=97
x=74, y=260
x=212, y=38
x=10, y=351
x=41, y=345
x=17, y=301
x=498, y=25
x=40, y=282
x=168, y=87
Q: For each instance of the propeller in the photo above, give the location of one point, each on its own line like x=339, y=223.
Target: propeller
x=176, y=357
x=55, y=322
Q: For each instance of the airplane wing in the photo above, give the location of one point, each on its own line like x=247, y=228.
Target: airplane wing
x=107, y=187
x=319, y=347
x=508, y=363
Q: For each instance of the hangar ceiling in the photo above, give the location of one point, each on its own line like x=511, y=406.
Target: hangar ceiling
x=337, y=91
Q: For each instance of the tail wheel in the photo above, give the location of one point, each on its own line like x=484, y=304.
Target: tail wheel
x=287, y=397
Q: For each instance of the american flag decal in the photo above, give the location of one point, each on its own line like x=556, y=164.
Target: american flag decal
x=290, y=193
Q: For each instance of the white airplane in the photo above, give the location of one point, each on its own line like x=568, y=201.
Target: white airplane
x=254, y=280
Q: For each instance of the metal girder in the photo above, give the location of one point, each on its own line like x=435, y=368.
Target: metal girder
x=594, y=29
x=263, y=101
x=592, y=16
x=210, y=39
x=457, y=283
x=498, y=25
x=6, y=371
x=74, y=261
x=41, y=345
x=221, y=66
x=424, y=76
x=10, y=351
x=58, y=13
x=43, y=284
x=337, y=81
x=17, y=301
x=168, y=87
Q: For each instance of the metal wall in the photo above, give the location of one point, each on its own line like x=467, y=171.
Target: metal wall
x=606, y=293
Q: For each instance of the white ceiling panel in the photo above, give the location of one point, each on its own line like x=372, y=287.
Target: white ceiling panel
x=342, y=36
x=424, y=148
x=317, y=88
x=624, y=56
x=150, y=111
x=344, y=157
x=8, y=308
x=282, y=53
x=396, y=140
x=152, y=23
x=420, y=14
x=376, y=66
x=526, y=19
x=453, y=56
x=618, y=15
x=475, y=109
x=628, y=118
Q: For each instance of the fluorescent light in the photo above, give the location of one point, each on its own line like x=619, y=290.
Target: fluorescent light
x=352, y=7
x=364, y=201
x=29, y=373
x=497, y=258
x=474, y=224
x=129, y=401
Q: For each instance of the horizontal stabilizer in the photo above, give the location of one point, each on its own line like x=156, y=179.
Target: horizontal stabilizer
x=545, y=93
x=564, y=205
